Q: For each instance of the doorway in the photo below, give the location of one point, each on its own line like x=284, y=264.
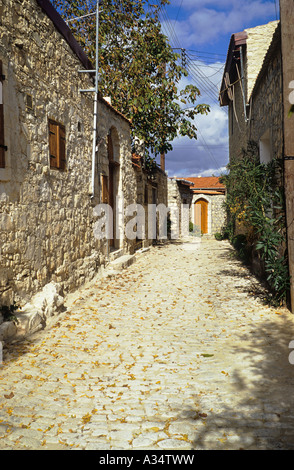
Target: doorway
x=201, y=215
x=112, y=183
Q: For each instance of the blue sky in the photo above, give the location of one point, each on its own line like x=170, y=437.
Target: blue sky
x=204, y=28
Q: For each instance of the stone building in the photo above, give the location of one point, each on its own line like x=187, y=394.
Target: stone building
x=180, y=198
x=151, y=184
x=199, y=200
x=256, y=87
x=207, y=211
x=246, y=54
x=48, y=196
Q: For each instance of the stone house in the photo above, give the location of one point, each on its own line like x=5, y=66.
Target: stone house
x=179, y=202
x=246, y=53
x=151, y=184
x=48, y=196
x=207, y=210
x=256, y=88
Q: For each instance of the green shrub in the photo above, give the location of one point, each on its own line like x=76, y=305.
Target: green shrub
x=218, y=236
x=255, y=198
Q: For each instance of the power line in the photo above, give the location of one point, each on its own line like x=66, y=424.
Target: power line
x=201, y=81
x=208, y=149
x=201, y=146
x=208, y=53
x=194, y=71
x=178, y=11
x=196, y=74
x=165, y=19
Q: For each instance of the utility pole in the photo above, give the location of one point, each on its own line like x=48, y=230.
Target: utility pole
x=95, y=114
x=95, y=90
x=162, y=155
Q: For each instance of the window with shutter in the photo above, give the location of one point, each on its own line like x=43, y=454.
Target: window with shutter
x=2, y=143
x=62, y=160
x=57, y=145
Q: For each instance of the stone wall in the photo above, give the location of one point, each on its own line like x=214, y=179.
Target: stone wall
x=218, y=213
x=179, y=201
x=258, y=40
x=238, y=129
x=257, y=44
x=46, y=215
x=264, y=92
x=267, y=101
x=151, y=188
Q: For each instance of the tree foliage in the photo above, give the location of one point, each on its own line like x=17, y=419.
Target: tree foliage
x=138, y=68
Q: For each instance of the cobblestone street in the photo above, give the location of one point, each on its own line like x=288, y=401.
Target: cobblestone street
x=179, y=351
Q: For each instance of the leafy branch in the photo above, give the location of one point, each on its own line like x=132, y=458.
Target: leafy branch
x=138, y=68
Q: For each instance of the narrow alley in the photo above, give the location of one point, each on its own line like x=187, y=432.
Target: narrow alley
x=179, y=351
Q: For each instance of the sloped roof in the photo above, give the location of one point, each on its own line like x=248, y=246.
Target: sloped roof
x=205, y=182
x=237, y=40
x=257, y=41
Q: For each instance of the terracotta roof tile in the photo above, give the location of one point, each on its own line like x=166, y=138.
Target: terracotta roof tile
x=205, y=182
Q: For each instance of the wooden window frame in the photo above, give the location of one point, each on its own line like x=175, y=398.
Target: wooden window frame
x=57, y=145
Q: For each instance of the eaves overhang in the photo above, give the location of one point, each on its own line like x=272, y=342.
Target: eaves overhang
x=237, y=41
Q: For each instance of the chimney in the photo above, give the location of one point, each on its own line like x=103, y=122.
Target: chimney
x=162, y=161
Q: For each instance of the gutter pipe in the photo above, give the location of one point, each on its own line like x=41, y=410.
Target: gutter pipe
x=95, y=114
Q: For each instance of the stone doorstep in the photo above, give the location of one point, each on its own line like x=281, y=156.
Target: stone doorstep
x=120, y=263
x=113, y=255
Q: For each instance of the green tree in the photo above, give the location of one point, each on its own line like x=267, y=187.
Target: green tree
x=138, y=68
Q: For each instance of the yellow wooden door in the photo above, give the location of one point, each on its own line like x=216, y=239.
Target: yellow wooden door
x=201, y=215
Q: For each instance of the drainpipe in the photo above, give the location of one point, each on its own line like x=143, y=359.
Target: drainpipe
x=95, y=106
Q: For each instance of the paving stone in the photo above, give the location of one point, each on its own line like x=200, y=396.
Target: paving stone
x=179, y=351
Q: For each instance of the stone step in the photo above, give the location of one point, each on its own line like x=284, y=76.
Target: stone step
x=113, y=255
x=120, y=263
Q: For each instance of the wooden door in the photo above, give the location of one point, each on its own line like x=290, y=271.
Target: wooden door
x=111, y=183
x=201, y=215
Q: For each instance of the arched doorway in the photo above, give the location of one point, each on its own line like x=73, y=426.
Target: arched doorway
x=110, y=184
x=201, y=215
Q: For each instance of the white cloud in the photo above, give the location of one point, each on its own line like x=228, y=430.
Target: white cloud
x=211, y=172
x=206, y=23
x=209, y=20
x=209, y=152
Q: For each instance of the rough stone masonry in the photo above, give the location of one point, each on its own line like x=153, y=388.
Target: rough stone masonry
x=46, y=214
